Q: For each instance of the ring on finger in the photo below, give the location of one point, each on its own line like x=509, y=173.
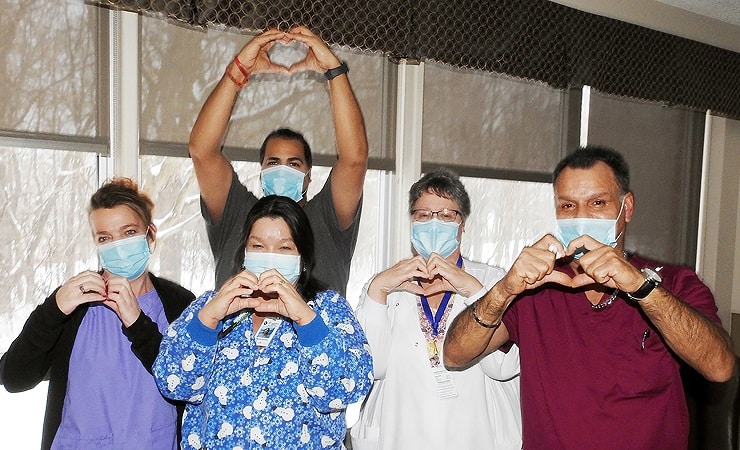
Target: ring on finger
x=82, y=288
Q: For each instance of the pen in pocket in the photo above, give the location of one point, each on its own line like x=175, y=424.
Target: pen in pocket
x=645, y=335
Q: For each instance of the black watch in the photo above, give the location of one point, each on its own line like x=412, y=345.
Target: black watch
x=335, y=72
x=652, y=280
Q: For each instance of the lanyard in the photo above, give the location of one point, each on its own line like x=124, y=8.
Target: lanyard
x=435, y=319
x=239, y=319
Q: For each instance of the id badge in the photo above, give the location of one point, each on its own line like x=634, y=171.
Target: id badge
x=267, y=331
x=444, y=383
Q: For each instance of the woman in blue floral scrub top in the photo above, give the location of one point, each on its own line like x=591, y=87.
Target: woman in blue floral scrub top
x=271, y=360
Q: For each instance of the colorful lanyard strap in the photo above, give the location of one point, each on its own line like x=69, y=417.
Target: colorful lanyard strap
x=239, y=319
x=435, y=319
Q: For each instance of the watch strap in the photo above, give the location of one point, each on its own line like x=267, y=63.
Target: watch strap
x=335, y=72
x=647, y=287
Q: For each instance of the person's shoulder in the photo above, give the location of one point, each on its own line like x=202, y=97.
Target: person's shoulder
x=663, y=267
x=165, y=285
x=322, y=196
x=677, y=278
x=327, y=295
x=326, y=292
x=241, y=189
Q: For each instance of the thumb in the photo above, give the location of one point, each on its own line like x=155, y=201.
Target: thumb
x=412, y=287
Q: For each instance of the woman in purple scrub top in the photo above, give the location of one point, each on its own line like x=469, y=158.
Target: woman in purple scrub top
x=96, y=336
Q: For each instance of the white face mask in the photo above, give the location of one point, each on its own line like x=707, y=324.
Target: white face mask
x=602, y=230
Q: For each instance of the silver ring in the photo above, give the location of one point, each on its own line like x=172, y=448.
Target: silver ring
x=82, y=289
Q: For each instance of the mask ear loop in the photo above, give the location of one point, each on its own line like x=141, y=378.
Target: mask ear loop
x=616, y=239
x=305, y=191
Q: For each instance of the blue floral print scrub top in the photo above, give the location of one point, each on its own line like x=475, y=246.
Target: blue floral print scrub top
x=291, y=394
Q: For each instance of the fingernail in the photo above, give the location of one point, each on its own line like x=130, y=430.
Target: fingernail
x=554, y=249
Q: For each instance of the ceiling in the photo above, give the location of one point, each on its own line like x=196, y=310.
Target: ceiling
x=723, y=10
x=712, y=22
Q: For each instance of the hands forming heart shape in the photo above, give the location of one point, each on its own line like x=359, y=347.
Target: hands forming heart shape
x=428, y=286
x=424, y=277
x=293, y=51
x=287, y=54
x=90, y=286
x=115, y=292
x=578, y=280
x=269, y=292
x=599, y=265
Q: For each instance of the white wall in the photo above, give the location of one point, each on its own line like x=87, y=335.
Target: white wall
x=719, y=237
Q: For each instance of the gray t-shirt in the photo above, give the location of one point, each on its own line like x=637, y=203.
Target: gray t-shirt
x=333, y=246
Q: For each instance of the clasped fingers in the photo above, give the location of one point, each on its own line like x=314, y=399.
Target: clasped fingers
x=529, y=270
x=85, y=287
x=608, y=267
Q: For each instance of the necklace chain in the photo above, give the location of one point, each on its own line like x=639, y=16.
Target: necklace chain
x=600, y=306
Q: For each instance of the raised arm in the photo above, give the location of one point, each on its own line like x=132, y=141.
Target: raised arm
x=348, y=173
x=212, y=169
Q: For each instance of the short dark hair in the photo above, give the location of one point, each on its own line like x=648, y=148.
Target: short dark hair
x=444, y=183
x=587, y=157
x=120, y=191
x=287, y=133
x=279, y=207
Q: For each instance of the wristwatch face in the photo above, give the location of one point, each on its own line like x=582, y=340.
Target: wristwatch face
x=652, y=275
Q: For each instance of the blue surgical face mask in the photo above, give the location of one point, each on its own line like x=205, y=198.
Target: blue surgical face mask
x=283, y=180
x=289, y=266
x=127, y=257
x=434, y=236
x=602, y=230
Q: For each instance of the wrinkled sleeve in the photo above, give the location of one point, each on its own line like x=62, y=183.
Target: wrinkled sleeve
x=186, y=355
x=685, y=284
x=501, y=365
x=334, y=362
x=376, y=321
x=28, y=359
x=145, y=339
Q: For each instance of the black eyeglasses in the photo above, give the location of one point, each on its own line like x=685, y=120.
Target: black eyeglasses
x=425, y=215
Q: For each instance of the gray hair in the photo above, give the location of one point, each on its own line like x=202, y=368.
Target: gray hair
x=444, y=183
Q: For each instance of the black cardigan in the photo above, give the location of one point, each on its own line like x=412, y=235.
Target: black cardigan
x=43, y=348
